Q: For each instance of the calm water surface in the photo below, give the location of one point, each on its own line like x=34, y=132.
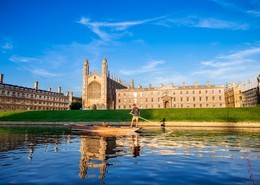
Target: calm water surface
x=31, y=155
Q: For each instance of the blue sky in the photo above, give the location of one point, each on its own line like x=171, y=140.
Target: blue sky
x=150, y=41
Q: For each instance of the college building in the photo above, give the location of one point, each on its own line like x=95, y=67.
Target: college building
x=14, y=97
x=99, y=91
x=246, y=94
x=196, y=96
x=233, y=95
x=102, y=92
x=250, y=92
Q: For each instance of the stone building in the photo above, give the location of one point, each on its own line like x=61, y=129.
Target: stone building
x=233, y=95
x=99, y=90
x=14, y=97
x=196, y=96
x=250, y=92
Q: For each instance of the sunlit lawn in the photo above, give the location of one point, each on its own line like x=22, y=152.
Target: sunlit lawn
x=185, y=114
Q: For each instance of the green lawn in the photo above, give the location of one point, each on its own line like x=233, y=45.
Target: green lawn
x=251, y=114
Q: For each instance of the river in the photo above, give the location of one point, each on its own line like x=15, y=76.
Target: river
x=54, y=155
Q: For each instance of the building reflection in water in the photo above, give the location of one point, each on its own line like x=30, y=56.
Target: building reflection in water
x=96, y=150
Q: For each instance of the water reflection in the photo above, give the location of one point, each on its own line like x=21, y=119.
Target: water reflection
x=215, y=143
x=29, y=139
x=199, y=154
x=136, y=146
x=94, y=153
x=31, y=150
x=96, y=150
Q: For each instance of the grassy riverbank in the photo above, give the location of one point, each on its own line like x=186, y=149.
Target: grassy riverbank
x=251, y=114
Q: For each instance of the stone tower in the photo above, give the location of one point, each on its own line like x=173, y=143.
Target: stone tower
x=85, y=82
x=104, y=82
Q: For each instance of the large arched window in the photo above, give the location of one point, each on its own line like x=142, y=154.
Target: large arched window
x=94, y=90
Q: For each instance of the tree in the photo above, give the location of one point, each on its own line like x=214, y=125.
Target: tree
x=75, y=105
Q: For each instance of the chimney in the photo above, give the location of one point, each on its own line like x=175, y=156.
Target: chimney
x=150, y=86
x=227, y=85
x=234, y=84
x=70, y=96
x=183, y=84
x=208, y=83
x=49, y=89
x=196, y=84
x=1, y=78
x=132, y=84
x=59, y=89
x=36, y=85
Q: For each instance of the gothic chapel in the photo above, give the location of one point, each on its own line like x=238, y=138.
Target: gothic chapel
x=99, y=90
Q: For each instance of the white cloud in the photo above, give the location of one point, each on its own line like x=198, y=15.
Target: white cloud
x=213, y=73
x=149, y=67
x=235, y=7
x=115, y=25
x=43, y=73
x=155, y=73
x=211, y=23
x=254, y=12
x=152, y=65
x=21, y=59
x=241, y=54
x=98, y=27
x=227, y=4
x=108, y=31
x=168, y=77
x=218, y=64
x=219, y=24
x=237, y=66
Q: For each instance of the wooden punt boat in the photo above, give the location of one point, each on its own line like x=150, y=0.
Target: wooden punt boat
x=106, y=130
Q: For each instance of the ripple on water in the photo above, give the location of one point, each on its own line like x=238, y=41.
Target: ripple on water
x=183, y=157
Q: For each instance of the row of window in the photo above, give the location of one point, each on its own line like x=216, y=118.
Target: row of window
x=213, y=98
x=12, y=101
x=174, y=106
x=25, y=95
x=213, y=91
x=22, y=107
x=29, y=90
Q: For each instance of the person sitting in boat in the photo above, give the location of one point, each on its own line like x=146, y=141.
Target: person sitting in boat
x=163, y=122
x=104, y=124
x=136, y=113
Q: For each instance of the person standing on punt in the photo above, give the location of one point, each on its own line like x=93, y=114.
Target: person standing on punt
x=136, y=113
